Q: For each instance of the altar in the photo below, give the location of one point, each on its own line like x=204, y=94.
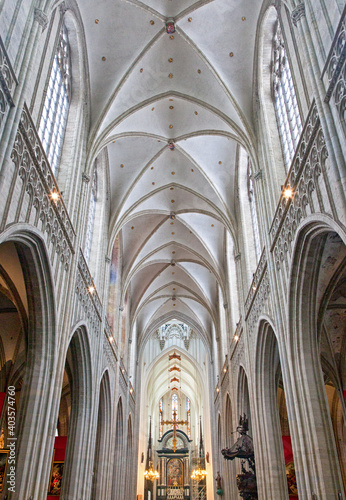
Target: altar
x=174, y=467
x=175, y=493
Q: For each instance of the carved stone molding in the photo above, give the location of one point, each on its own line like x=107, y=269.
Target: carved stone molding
x=237, y=357
x=298, y=13
x=84, y=297
x=108, y=355
x=41, y=17
x=258, y=175
x=334, y=73
x=34, y=170
x=8, y=82
x=336, y=59
x=303, y=179
x=259, y=303
x=85, y=273
x=257, y=277
x=85, y=177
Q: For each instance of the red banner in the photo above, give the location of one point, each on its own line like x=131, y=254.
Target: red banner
x=2, y=399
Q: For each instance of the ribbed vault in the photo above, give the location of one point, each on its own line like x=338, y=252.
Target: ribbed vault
x=172, y=111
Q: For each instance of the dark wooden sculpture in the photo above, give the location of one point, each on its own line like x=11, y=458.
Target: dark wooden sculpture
x=243, y=449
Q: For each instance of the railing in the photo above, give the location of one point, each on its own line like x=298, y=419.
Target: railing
x=110, y=337
x=257, y=277
x=303, y=181
x=236, y=337
x=217, y=391
x=132, y=392
x=39, y=182
x=224, y=370
x=123, y=372
x=89, y=283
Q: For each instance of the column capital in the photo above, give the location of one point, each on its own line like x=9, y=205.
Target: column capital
x=298, y=13
x=258, y=175
x=41, y=17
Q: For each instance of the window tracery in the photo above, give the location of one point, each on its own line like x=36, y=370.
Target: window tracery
x=285, y=101
x=57, y=102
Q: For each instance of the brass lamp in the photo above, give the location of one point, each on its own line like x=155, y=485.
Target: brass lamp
x=150, y=473
x=199, y=474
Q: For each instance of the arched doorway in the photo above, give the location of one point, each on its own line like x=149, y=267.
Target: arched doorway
x=319, y=256
x=130, y=457
x=272, y=417
x=75, y=417
x=117, y=488
x=101, y=478
x=27, y=340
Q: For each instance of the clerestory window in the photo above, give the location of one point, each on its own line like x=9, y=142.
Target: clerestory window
x=57, y=102
x=285, y=101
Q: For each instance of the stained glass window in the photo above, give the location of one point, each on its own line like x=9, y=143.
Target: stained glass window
x=174, y=405
x=286, y=106
x=56, y=105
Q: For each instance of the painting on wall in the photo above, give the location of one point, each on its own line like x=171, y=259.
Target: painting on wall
x=56, y=478
x=291, y=480
x=3, y=467
x=175, y=472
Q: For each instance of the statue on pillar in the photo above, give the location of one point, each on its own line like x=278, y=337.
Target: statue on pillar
x=218, y=479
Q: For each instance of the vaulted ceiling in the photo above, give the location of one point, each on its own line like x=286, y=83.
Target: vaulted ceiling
x=193, y=89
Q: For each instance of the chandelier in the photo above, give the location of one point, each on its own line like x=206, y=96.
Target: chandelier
x=151, y=474
x=199, y=474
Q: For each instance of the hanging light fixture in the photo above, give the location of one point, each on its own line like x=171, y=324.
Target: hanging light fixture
x=199, y=474
x=150, y=473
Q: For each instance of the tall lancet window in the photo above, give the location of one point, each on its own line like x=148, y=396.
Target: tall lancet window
x=174, y=405
x=57, y=102
x=161, y=419
x=286, y=106
x=188, y=413
x=91, y=216
x=253, y=208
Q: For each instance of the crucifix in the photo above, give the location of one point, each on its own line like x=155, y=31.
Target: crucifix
x=175, y=422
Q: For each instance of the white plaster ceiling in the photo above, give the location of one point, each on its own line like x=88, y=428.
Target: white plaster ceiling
x=149, y=88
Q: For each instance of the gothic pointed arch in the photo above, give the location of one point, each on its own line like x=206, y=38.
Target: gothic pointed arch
x=25, y=283
x=118, y=477
x=101, y=479
x=79, y=371
x=322, y=243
